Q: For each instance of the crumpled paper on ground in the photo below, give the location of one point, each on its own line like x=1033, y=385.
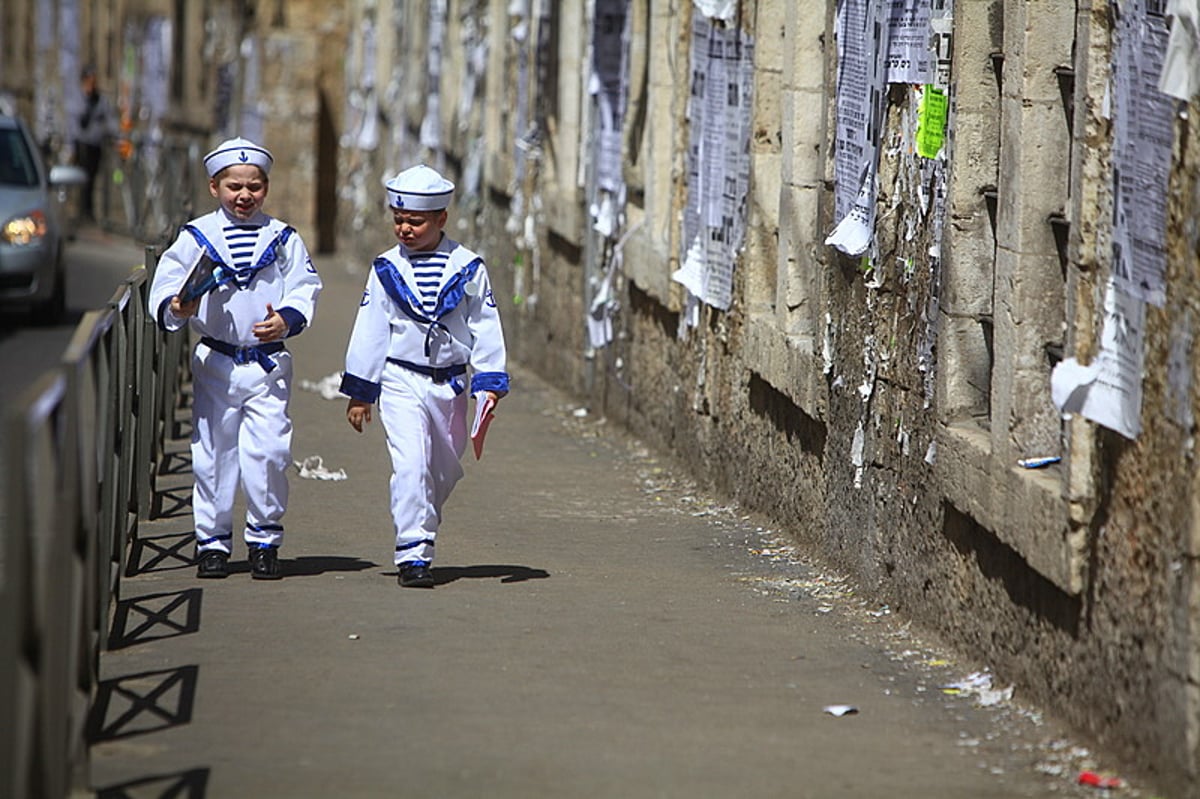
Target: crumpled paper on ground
x=328, y=387
x=979, y=685
x=313, y=468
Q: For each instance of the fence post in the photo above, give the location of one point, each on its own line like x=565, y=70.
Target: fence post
x=43, y=711
x=149, y=440
x=81, y=437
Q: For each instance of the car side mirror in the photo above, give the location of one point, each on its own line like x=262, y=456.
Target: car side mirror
x=67, y=175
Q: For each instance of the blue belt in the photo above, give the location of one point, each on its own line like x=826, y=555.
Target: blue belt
x=259, y=353
x=439, y=374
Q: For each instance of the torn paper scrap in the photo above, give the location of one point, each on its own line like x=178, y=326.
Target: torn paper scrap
x=1069, y=384
x=1180, y=75
x=852, y=235
x=1096, y=392
x=717, y=9
x=313, y=468
x=979, y=685
x=328, y=387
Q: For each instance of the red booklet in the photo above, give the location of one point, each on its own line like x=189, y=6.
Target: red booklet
x=483, y=417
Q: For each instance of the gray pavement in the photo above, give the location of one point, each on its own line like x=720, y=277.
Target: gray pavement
x=600, y=628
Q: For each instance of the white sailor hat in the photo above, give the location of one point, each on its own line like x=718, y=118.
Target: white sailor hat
x=419, y=188
x=237, y=151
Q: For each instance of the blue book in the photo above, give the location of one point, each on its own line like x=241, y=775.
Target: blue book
x=205, y=276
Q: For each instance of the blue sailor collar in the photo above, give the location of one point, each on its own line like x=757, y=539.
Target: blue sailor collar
x=396, y=276
x=242, y=277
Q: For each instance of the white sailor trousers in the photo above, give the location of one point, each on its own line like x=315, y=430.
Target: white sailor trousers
x=426, y=427
x=242, y=436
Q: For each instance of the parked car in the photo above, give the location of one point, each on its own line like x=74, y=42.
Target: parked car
x=33, y=224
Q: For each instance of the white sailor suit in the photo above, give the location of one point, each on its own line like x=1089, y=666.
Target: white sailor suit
x=241, y=433
x=412, y=359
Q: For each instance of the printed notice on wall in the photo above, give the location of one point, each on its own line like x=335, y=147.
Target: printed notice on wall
x=431, y=123
x=1142, y=137
x=608, y=88
x=861, y=84
x=909, y=57
x=931, y=122
x=719, y=112
x=1109, y=390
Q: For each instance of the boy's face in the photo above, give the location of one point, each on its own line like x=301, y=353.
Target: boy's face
x=419, y=231
x=241, y=190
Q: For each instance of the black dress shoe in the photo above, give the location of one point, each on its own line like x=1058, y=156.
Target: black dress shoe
x=212, y=565
x=416, y=575
x=264, y=563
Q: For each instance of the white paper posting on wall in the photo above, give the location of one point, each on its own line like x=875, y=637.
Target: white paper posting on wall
x=861, y=88
x=1143, y=135
x=909, y=56
x=431, y=123
x=1109, y=390
x=718, y=160
x=608, y=87
x=1181, y=65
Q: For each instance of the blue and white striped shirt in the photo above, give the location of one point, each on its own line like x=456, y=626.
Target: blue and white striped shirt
x=242, y=241
x=428, y=269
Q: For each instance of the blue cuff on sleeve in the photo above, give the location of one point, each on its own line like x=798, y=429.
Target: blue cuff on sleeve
x=359, y=389
x=295, y=320
x=162, y=312
x=490, y=381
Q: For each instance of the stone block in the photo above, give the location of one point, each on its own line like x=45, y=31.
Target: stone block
x=1034, y=158
x=804, y=138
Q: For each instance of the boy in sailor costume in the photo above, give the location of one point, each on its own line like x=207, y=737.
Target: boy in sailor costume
x=263, y=289
x=426, y=316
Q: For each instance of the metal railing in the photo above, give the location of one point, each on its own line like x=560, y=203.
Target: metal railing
x=85, y=443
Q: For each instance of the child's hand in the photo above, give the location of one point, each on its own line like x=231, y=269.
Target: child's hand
x=358, y=412
x=184, y=310
x=272, y=328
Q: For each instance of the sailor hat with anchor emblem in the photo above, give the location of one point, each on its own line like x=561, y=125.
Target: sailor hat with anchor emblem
x=237, y=151
x=419, y=188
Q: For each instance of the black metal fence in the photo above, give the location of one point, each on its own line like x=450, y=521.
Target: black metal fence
x=85, y=444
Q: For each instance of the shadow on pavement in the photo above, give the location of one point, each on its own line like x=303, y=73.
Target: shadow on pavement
x=160, y=553
x=312, y=565
x=172, y=503
x=154, y=617
x=138, y=704
x=190, y=784
x=507, y=574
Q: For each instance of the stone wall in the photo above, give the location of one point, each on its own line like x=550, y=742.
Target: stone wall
x=878, y=408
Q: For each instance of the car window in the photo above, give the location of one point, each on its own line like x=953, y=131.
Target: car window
x=16, y=162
